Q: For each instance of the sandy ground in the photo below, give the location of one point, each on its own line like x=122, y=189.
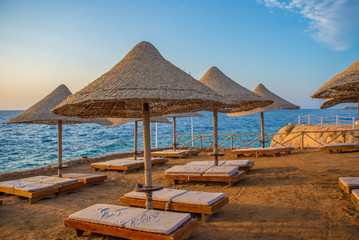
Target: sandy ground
x=287, y=197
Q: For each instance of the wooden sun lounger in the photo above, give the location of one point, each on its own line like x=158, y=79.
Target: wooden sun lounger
x=131, y=223
x=347, y=184
x=205, y=211
x=87, y=179
x=33, y=196
x=257, y=151
x=340, y=147
x=182, y=232
x=243, y=167
x=170, y=154
x=64, y=188
x=188, y=178
x=124, y=168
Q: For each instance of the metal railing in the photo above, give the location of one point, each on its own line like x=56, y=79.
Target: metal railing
x=235, y=141
x=330, y=120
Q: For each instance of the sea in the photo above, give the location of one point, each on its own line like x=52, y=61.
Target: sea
x=24, y=146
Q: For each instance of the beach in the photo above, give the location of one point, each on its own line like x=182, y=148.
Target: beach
x=292, y=196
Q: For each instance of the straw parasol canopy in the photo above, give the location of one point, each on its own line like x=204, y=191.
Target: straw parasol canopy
x=142, y=76
x=142, y=84
x=119, y=121
x=343, y=85
x=278, y=103
x=176, y=115
x=330, y=102
x=226, y=87
x=40, y=113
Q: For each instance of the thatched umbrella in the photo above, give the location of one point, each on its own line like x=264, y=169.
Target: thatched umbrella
x=142, y=84
x=343, y=86
x=119, y=121
x=176, y=115
x=226, y=87
x=330, y=102
x=278, y=103
x=40, y=113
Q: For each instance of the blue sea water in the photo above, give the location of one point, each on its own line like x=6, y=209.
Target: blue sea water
x=25, y=146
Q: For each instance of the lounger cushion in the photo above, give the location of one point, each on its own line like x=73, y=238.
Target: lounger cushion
x=204, y=163
x=165, y=194
x=51, y=180
x=81, y=175
x=111, y=215
x=350, y=181
x=117, y=162
x=186, y=170
x=198, y=198
x=221, y=171
x=239, y=163
x=142, y=159
x=26, y=185
x=157, y=221
x=355, y=193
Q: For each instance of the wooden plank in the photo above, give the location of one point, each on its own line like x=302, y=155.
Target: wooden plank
x=177, y=207
x=181, y=232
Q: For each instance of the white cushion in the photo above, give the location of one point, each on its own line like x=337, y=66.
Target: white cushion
x=165, y=194
x=198, y=198
x=51, y=180
x=239, y=163
x=355, y=193
x=143, y=159
x=107, y=214
x=187, y=169
x=222, y=170
x=349, y=181
x=157, y=221
x=258, y=149
x=118, y=162
x=204, y=163
x=26, y=185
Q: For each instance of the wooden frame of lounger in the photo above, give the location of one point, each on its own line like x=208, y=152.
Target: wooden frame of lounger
x=246, y=168
x=182, y=232
x=205, y=211
x=287, y=150
x=188, y=178
x=32, y=196
x=125, y=169
x=354, y=200
x=69, y=187
x=342, y=148
x=257, y=152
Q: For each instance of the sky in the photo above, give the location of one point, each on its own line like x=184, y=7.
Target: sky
x=292, y=47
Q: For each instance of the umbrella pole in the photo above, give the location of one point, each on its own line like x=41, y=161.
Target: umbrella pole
x=174, y=133
x=147, y=153
x=192, y=130
x=262, y=130
x=135, y=141
x=215, y=137
x=59, y=148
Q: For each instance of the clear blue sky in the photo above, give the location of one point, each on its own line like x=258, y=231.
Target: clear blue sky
x=292, y=47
